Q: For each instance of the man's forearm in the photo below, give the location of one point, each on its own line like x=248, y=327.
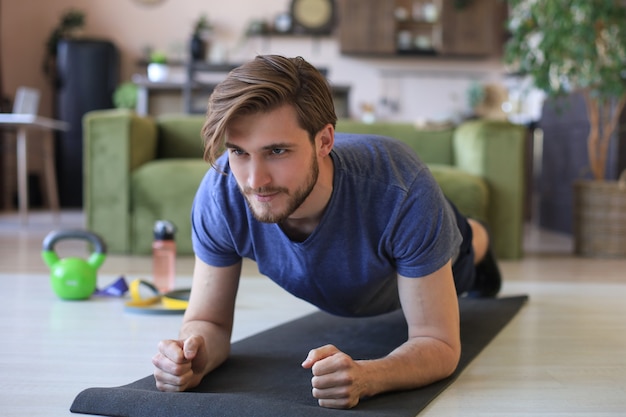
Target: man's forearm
x=416, y=363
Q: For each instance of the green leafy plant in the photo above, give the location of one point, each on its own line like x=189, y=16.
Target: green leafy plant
x=125, y=96
x=202, y=25
x=575, y=46
x=158, y=57
x=69, y=23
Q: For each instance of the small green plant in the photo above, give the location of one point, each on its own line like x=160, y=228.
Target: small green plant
x=69, y=23
x=202, y=25
x=125, y=96
x=158, y=57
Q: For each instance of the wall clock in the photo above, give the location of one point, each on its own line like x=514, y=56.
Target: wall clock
x=313, y=16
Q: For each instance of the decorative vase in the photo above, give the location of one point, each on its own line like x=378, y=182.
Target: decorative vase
x=197, y=48
x=600, y=218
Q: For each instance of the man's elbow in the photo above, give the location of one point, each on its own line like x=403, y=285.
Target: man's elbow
x=451, y=361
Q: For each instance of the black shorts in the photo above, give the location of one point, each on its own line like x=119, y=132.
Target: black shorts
x=463, y=269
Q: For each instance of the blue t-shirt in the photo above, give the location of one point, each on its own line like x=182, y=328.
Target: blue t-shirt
x=386, y=216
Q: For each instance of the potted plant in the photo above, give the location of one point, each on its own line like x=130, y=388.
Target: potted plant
x=568, y=46
x=158, y=69
x=125, y=96
x=69, y=26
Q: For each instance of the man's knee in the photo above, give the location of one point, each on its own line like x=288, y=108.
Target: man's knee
x=480, y=240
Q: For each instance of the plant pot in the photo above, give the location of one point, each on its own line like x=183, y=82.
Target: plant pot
x=600, y=218
x=157, y=72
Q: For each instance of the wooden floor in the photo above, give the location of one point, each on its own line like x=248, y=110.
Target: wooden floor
x=563, y=355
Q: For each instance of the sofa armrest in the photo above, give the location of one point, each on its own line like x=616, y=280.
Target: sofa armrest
x=115, y=142
x=495, y=150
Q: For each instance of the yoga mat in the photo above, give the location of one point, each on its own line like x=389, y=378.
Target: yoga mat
x=263, y=376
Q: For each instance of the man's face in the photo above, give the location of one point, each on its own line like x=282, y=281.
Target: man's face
x=273, y=161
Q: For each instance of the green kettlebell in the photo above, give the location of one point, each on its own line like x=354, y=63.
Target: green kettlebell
x=73, y=278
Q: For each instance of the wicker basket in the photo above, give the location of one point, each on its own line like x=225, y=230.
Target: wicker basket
x=600, y=218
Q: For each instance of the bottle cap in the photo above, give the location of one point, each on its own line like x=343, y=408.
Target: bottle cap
x=164, y=230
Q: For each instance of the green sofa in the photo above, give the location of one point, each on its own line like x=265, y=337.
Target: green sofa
x=140, y=169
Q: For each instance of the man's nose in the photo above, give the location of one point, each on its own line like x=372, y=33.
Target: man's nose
x=258, y=175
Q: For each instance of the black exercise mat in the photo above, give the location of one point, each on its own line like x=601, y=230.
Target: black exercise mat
x=263, y=377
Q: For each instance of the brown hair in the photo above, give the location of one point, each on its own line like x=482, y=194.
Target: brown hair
x=262, y=85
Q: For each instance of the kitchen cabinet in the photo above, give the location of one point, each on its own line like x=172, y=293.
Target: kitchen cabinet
x=367, y=27
x=422, y=27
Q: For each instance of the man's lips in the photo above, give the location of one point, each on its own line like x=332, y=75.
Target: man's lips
x=265, y=197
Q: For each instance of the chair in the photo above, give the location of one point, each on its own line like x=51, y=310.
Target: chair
x=27, y=102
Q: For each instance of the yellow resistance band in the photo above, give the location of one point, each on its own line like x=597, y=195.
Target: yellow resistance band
x=172, y=300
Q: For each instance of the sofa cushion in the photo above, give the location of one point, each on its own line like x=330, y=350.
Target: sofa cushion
x=179, y=136
x=164, y=189
x=468, y=192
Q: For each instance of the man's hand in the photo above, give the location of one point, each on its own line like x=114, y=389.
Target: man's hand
x=180, y=364
x=338, y=380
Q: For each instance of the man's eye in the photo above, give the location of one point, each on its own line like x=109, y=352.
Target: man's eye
x=237, y=152
x=278, y=151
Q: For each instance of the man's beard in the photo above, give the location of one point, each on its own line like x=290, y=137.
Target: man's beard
x=294, y=201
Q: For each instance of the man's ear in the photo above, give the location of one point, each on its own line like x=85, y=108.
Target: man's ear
x=326, y=138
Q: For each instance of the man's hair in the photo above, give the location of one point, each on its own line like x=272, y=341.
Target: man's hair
x=264, y=84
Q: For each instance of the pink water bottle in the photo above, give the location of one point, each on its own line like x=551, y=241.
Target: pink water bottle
x=164, y=256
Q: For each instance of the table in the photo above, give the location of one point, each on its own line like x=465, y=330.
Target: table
x=22, y=123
